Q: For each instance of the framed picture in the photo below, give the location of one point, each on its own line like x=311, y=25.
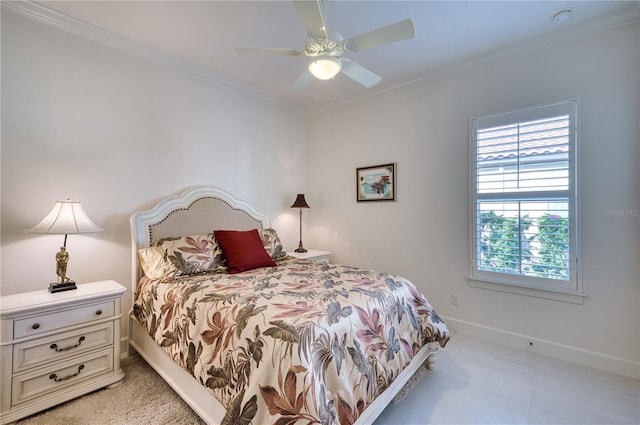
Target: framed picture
x=377, y=183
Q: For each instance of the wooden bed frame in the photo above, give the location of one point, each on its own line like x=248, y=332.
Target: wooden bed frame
x=200, y=210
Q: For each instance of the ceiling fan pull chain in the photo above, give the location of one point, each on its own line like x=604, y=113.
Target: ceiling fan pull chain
x=323, y=14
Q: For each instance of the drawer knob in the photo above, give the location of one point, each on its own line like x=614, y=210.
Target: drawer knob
x=55, y=377
x=98, y=313
x=58, y=349
x=35, y=326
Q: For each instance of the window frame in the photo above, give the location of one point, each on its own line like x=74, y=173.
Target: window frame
x=568, y=291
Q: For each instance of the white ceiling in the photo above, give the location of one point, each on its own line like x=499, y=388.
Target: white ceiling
x=449, y=35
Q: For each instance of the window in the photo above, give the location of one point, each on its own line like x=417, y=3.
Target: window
x=524, y=215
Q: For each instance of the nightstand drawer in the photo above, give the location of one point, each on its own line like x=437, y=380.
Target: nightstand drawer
x=31, y=353
x=54, y=377
x=60, y=319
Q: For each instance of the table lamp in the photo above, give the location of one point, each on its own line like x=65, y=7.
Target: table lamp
x=300, y=203
x=66, y=217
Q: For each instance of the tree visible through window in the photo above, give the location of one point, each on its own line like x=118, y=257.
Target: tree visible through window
x=524, y=185
x=537, y=246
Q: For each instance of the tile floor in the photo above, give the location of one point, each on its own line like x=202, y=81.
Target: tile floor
x=476, y=382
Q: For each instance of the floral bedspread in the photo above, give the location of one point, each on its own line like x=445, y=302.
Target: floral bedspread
x=300, y=343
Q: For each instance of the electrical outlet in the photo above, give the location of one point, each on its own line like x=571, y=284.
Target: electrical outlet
x=455, y=299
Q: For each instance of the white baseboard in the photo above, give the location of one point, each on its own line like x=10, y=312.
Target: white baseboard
x=565, y=352
x=124, y=347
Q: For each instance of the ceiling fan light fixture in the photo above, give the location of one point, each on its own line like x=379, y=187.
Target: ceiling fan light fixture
x=324, y=67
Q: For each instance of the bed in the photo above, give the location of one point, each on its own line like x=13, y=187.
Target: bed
x=270, y=339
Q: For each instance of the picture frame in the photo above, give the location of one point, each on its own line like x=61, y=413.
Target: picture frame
x=376, y=183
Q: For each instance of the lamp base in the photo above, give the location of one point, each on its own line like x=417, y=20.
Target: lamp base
x=65, y=286
x=300, y=248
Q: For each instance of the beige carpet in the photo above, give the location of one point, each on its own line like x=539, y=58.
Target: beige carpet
x=142, y=399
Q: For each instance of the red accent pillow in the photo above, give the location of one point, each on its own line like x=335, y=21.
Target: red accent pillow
x=243, y=250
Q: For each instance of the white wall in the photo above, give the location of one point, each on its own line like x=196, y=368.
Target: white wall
x=118, y=133
x=425, y=234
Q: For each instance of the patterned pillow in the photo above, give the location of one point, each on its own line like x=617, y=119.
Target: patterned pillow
x=154, y=265
x=272, y=244
x=192, y=254
x=183, y=256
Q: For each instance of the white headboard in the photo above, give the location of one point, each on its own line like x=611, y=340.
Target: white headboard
x=200, y=209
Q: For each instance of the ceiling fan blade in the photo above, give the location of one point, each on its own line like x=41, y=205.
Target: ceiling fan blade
x=401, y=30
x=267, y=51
x=311, y=17
x=360, y=74
x=303, y=81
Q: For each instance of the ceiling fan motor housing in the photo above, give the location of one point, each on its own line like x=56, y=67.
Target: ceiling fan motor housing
x=324, y=47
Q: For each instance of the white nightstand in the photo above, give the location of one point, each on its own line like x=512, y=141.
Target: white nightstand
x=312, y=254
x=55, y=347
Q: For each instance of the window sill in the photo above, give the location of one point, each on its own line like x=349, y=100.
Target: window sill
x=564, y=295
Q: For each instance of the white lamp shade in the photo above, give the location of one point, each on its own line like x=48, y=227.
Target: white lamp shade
x=66, y=217
x=324, y=67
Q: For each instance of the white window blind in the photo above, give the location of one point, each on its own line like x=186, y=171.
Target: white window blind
x=523, y=196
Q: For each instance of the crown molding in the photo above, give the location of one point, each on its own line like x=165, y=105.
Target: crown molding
x=48, y=16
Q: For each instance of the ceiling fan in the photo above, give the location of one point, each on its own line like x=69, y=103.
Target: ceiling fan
x=326, y=49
